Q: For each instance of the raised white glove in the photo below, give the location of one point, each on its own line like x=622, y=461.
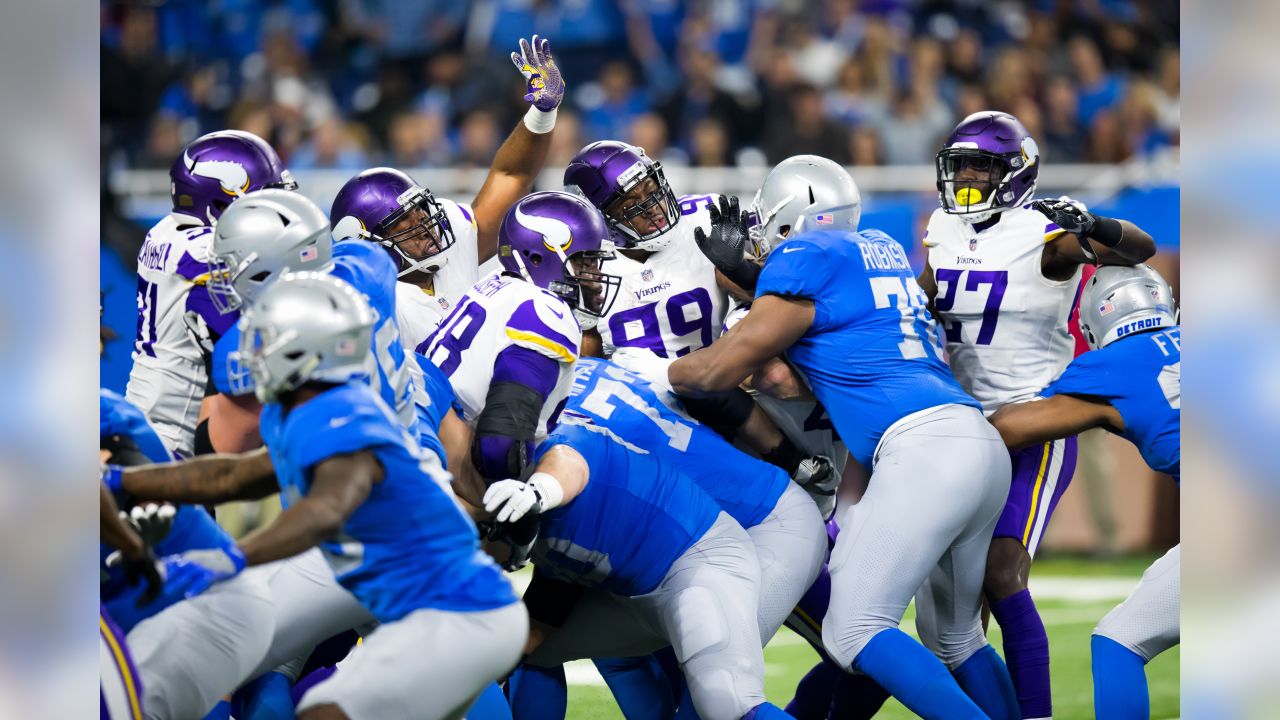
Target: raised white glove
x=645, y=364
x=512, y=499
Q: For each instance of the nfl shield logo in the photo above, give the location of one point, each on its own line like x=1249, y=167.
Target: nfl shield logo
x=444, y=304
x=973, y=244
x=647, y=275
x=308, y=254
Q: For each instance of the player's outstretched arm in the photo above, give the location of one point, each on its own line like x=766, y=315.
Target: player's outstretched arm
x=205, y=480
x=339, y=485
x=1093, y=238
x=519, y=159
x=456, y=437
x=773, y=325
x=560, y=477
x=1060, y=416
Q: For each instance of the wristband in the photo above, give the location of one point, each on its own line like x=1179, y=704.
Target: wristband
x=540, y=122
x=112, y=476
x=550, y=493
x=1107, y=231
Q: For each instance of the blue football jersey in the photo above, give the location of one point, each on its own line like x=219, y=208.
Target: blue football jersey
x=435, y=399
x=1141, y=376
x=369, y=269
x=193, y=528
x=744, y=487
x=872, y=355
x=633, y=520
x=408, y=546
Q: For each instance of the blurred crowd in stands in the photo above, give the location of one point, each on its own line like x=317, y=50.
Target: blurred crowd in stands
x=348, y=84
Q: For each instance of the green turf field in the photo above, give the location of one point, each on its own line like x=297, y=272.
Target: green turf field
x=1082, y=590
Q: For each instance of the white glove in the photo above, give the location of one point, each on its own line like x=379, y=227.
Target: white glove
x=645, y=364
x=152, y=521
x=512, y=499
x=1079, y=205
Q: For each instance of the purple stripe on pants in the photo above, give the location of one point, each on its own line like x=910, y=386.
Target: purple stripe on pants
x=1041, y=473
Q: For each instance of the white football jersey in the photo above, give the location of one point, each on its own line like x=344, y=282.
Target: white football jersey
x=496, y=313
x=419, y=312
x=670, y=303
x=804, y=422
x=1005, y=323
x=168, y=379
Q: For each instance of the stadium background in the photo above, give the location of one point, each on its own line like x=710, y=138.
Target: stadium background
x=719, y=90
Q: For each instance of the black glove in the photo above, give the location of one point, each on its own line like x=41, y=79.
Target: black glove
x=145, y=569
x=1073, y=217
x=726, y=245
x=519, y=537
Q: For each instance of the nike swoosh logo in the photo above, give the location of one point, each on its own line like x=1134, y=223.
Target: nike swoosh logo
x=790, y=249
x=339, y=422
x=557, y=313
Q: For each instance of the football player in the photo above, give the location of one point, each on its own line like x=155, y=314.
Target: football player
x=439, y=244
x=672, y=556
x=1002, y=277
x=784, y=526
x=1130, y=384
x=672, y=300
x=358, y=485
x=845, y=308
x=509, y=344
x=169, y=377
x=188, y=654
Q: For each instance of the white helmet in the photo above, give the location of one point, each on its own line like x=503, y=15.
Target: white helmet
x=804, y=192
x=1120, y=300
x=258, y=238
x=305, y=327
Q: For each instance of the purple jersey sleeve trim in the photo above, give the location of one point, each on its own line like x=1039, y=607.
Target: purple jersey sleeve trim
x=199, y=302
x=526, y=320
x=191, y=268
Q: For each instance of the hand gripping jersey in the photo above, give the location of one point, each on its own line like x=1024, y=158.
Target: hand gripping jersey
x=408, y=546
x=168, y=380
x=419, y=312
x=632, y=412
x=1141, y=376
x=193, y=527
x=1005, y=323
x=496, y=313
x=805, y=423
x=368, y=269
x=871, y=355
x=635, y=517
x=669, y=304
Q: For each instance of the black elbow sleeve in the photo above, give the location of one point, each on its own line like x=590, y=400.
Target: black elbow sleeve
x=503, y=442
x=722, y=412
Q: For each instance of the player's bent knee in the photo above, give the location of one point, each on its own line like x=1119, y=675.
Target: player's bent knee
x=845, y=643
x=1004, y=575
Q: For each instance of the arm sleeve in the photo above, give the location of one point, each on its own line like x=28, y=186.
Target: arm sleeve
x=522, y=381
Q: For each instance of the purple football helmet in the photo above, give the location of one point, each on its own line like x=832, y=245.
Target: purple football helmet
x=988, y=165
x=559, y=242
x=388, y=207
x=217, y=168
x=630, y=189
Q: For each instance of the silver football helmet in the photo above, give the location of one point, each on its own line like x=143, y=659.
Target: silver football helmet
x=258, y=238
x=803, y=192
x=1120, y=300
x=306, y=326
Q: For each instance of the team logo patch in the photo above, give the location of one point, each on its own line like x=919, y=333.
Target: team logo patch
x=824, y=219
x=647, y=275
x=308, y=254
